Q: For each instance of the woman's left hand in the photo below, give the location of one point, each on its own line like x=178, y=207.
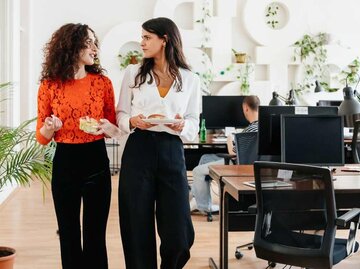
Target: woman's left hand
x=179, y=126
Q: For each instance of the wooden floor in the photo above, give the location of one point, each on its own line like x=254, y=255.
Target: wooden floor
x=27, y=223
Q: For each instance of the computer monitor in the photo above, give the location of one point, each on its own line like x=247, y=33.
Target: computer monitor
x=312, y=139
x=329, y=103
x=223, y=111
x=269, y=124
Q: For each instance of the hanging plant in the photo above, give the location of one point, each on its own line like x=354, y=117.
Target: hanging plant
x=204, y=20
x=313, y=55
x=207, y=76
x=350, y=74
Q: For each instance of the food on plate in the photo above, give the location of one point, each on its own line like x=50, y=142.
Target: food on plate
x=156, y=116
x=88, y=125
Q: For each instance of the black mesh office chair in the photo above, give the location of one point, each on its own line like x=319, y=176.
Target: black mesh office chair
x=293, y=201
x=246, y=149
x=355, y=146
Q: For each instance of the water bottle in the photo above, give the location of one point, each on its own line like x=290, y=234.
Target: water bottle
x=202, y=131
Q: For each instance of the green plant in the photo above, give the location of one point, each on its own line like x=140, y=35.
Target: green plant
x=204, y=20
x=207, y=76
x=242, y=75
x=131, y=57
x=271, y=15
x=349, y=75
x=313, y=55
x=22, y=159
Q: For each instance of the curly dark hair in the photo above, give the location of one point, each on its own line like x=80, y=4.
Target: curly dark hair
x=173, y=51
x=62, y=53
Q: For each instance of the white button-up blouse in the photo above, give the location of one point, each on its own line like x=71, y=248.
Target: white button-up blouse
x=146, y=100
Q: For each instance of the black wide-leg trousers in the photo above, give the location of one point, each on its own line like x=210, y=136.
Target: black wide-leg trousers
x=81, y=174
x=153, y=184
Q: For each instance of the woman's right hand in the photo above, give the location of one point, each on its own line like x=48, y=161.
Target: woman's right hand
x=137, y=122
x=51, y=125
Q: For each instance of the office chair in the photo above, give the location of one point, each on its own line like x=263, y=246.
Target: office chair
x=293, y=201
x=354, y=142
x=246, y=149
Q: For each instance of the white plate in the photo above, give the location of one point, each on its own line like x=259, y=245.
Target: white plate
x=162, y=121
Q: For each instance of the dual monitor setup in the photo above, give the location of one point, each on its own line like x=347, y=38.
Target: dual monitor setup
x=293, y=134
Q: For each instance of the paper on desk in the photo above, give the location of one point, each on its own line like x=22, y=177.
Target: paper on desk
x=219, y=139
x=351, y=169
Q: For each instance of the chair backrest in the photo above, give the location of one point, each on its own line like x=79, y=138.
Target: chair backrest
x=246, y=147
x=354, y=143
x=293, y=201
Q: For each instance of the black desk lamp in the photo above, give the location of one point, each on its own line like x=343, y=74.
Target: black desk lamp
x=350, y=106
x=277, y=98
x=318, y=87
x=275, y=101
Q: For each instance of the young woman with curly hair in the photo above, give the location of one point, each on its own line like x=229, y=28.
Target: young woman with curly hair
x=73, y=87
x=153, y=183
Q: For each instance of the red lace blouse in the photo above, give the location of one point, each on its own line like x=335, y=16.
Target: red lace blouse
x=91, y=96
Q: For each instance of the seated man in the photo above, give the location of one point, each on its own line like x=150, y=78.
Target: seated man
x=200, y=191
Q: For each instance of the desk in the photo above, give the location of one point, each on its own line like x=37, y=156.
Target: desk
x=346, y=185
x=195, y=149
x=217, y=172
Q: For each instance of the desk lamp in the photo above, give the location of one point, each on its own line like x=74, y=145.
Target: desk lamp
x=318, y=87
x=350, y=106
x=277, y=98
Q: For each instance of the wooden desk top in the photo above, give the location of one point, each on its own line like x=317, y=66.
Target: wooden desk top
x=218, y=171
x=234, y=185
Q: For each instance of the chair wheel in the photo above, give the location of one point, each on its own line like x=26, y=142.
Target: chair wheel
x=272, y=264
x=238, y=255
x=250, y=247
x=209, y=218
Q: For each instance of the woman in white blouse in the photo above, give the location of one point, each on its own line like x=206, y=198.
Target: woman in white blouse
x=153, y=175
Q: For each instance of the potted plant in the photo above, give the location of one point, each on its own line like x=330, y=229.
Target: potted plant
x=240, y=57
x=131, y=57
x=22, y=160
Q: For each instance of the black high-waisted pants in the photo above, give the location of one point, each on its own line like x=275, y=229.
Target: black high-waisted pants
x=81, y=174
x=153, y=183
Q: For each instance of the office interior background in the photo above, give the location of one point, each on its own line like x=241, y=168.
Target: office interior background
x=230, y=24
x=248, y=26
x=272, y=61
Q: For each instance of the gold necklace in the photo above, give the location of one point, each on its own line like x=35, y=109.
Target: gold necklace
x=163, y=76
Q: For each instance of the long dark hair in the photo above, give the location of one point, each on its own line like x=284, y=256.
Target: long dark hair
x=62, y=53
x=166, y=29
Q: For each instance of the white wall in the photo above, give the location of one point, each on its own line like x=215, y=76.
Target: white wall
x=339, y=18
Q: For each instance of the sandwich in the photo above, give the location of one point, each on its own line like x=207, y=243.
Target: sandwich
x=88, y=125
x=156, y=116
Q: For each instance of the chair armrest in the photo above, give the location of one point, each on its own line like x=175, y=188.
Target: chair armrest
x=348, y=216
x=226, y=156
x=252, y=209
